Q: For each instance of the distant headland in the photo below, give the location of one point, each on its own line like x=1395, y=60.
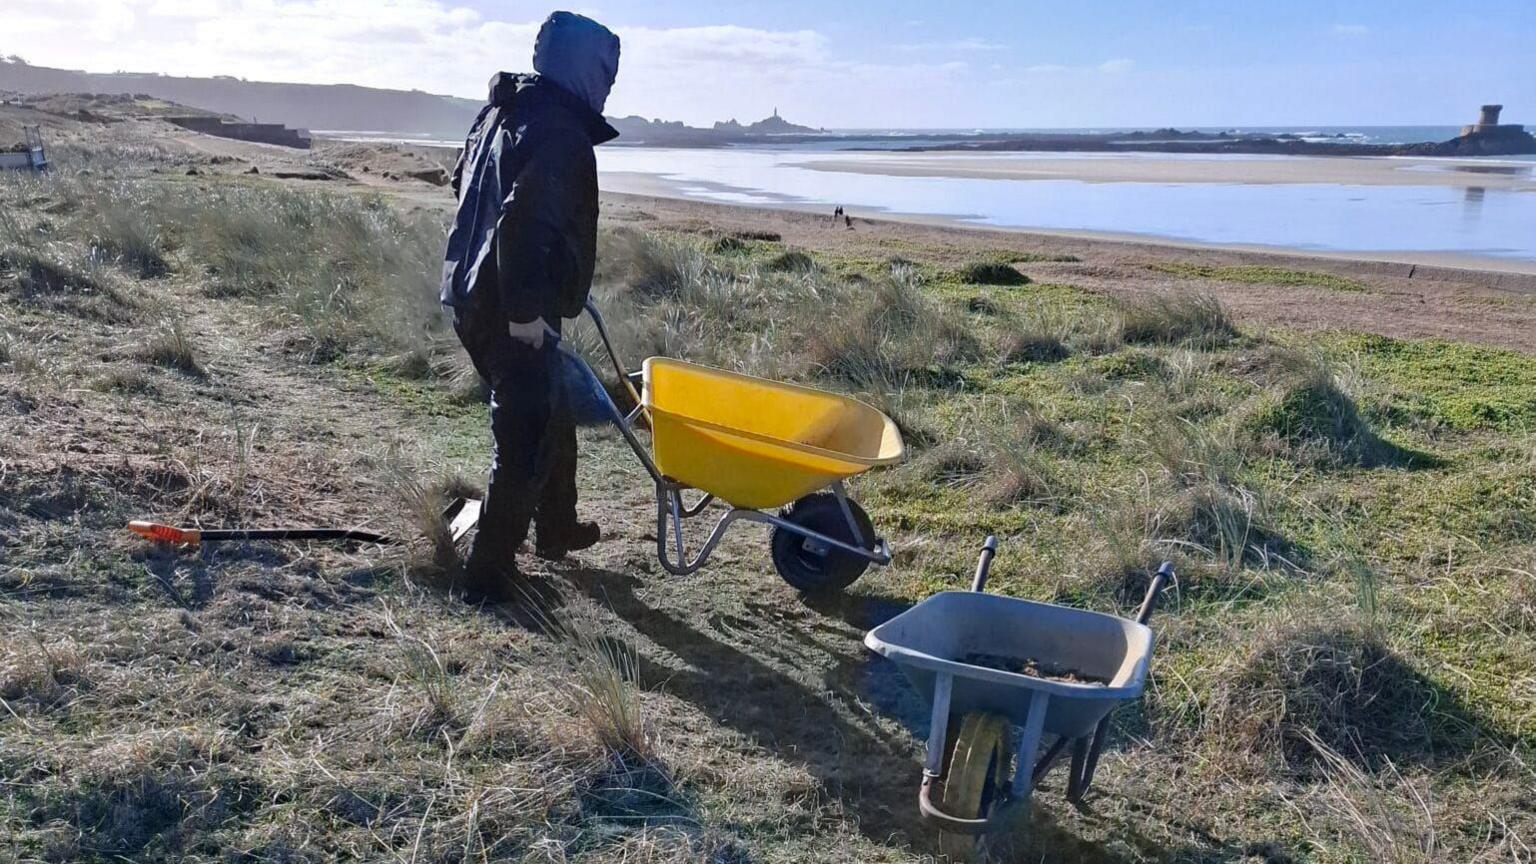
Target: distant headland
x=1487, y=137
x=638, y=130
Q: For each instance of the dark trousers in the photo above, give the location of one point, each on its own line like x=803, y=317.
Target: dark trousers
x=533, y=464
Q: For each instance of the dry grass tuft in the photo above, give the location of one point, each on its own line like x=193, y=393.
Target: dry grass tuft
x=1213, y=507
x=1314, y=417
x=432, y=558
x=1002, y=460
x=1041, y=337
x=1335, y=682
x=793, y=261
x=51, y=277
x=604, y=689
x=1196, y=320
x=151, y=795
x=45, y=675
x=889, y=333
x=992, y=273
x=908, y=407
x=119, y=226
x=1386, y=817
x=425, y=669
x=172, y=348
x=129, y=382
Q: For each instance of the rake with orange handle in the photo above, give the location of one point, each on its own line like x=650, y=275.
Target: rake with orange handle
x=461, y=515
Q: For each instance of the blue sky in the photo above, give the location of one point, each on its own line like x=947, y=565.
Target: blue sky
x=860, y=62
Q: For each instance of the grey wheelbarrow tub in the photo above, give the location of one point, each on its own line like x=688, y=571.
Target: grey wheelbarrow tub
x=928, y=640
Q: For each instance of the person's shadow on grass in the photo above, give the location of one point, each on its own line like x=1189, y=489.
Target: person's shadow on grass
x=865, y=758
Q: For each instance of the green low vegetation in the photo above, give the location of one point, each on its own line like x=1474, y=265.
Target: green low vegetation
x=1259, y=275
x=992, y=273
x=1341, y=673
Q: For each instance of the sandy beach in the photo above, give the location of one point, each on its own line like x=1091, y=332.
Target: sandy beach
x=693, y=193
x=1397, y=298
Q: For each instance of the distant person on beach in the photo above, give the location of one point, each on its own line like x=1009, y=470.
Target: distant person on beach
x=519, y=259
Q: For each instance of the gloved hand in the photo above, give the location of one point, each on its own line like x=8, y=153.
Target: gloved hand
x=530, y=334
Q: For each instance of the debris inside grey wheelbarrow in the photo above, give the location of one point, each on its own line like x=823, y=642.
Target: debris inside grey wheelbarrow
x=976, y=707
x=461, y=514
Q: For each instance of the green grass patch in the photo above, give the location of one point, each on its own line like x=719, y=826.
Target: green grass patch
x=1460, y=385
x=1257, y=275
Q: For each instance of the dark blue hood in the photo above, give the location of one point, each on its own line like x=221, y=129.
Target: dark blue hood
x=534, y=93
x=578, y=54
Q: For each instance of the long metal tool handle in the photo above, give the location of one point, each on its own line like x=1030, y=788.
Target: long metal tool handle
x=984, y=564
x=1149, y=603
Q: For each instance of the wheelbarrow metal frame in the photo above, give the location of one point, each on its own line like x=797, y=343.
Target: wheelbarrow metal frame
x=672, y=510
x=1028, y=769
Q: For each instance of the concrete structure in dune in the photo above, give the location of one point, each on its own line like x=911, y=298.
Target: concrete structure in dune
x=261, y=133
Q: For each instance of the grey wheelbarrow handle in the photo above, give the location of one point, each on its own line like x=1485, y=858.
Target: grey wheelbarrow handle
x=1148, y=603
x=618, y=365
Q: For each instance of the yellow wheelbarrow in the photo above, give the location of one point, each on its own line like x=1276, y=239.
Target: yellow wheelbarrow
x=754, y=447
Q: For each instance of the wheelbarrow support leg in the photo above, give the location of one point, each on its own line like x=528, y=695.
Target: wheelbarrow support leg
x=1029, y=743
x=938, y=726
x=842, y=501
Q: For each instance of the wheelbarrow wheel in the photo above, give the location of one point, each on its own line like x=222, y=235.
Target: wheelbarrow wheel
x=976, y=777
x=814, y=567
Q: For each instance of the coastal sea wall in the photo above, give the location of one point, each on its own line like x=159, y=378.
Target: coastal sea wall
x=261, y=133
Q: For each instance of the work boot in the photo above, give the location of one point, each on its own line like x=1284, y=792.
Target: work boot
x=491, y=583
x=554, y=547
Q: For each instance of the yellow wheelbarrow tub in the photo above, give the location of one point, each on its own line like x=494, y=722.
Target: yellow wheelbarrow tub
x=756, y=443
x=751, y=446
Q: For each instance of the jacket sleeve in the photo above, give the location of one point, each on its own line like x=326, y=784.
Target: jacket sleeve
x=457, y=178
x=546, y=239
x=476, y=132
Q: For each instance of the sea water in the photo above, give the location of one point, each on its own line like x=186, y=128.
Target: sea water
x=1486, y=222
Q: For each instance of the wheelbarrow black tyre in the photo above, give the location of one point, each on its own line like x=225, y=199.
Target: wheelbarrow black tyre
x=976, y=777
x=803, y=563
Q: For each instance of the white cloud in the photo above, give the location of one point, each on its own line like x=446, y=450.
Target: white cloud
x=696, y=74
x=1117, y=65
x=1351, y=30
x=972, y=43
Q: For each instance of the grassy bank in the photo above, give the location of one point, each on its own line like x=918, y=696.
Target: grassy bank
x=1342, y=670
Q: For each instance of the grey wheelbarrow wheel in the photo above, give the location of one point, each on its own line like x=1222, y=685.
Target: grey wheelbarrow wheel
x=976, y=777
x=812, y=566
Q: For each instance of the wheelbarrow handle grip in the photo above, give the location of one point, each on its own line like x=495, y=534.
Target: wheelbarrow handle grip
x=984, y=564
x=1165, y=574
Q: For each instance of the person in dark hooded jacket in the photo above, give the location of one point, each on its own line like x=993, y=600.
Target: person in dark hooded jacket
x=520, y=259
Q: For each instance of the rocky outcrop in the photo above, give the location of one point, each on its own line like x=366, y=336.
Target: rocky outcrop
x=638, y=130
x=1485, y=138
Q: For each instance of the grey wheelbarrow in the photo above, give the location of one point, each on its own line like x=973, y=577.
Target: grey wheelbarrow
x=989, y=664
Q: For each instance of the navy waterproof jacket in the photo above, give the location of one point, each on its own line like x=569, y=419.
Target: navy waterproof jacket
x=525, y=235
